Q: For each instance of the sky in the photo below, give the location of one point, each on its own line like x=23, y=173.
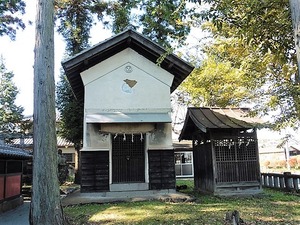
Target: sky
x=19, y=56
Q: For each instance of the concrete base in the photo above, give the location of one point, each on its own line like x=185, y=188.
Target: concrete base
x=122, y=196
x=11, y=204
x=238, y=189
x=129, y=187
x=134, y=194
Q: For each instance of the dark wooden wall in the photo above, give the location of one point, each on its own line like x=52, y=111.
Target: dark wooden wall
x=203, y=168
x=94, y=171
x=161, y=169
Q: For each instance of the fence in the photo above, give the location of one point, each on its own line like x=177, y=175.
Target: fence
x=285, y=181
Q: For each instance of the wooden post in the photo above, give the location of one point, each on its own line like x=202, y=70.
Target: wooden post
x=266, y=180
x=271, y=181
x=296, y=184
x=287, y=181
x=276, y=182
x=281, y=181
x=295, y=12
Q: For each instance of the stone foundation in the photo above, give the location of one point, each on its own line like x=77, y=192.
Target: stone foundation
x=11, y=204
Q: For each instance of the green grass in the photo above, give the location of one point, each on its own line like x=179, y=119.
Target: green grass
x=271, y=208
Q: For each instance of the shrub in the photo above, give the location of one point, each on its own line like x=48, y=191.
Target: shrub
x=266, y=163
x=280, y=163
x=293, y=162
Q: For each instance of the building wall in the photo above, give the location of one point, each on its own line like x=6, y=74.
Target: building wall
x=147, y=88
x=117, y=91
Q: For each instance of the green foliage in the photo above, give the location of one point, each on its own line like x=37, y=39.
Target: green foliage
x=253, y=42
x=10, y=114
x=115, y=15
x=71, y=113
x=164, y=21
x=266, y=24
x=75, y=22
x=10, y=21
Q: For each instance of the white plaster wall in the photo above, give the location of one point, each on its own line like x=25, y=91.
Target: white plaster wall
x=106, y=89
x=94, y=139
x=161, y=138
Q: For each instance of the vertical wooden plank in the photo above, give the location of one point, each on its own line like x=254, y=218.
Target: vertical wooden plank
x=213, y=163
x=161, y=169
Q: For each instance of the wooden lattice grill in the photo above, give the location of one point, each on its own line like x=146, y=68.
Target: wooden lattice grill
x=236, y=160
x=128, y=158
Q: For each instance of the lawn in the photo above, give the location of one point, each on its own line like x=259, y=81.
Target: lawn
x=271, y=208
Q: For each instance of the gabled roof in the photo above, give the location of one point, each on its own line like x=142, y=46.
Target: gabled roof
x=126, y=39
x=8, y=152
x=204, y=119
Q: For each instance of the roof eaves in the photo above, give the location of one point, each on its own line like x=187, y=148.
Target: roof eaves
x=197, y=122
x=7, y=151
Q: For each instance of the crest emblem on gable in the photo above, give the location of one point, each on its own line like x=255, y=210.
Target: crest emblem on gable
x=128, y=85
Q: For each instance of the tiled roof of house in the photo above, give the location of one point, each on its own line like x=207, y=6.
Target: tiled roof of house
x=7, y=151
x=29, y=142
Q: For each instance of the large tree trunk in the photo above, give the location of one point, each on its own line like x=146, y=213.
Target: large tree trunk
x=295, y=10
x=45, y=203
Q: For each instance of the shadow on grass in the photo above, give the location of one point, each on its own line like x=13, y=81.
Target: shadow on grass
x=273, y=208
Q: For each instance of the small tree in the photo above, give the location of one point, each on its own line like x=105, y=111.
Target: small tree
x=10, y=114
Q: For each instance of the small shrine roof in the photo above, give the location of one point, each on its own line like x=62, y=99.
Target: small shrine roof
x=204, y=118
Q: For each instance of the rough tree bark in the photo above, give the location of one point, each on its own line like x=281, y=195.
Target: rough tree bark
x=295, y=12
x=45, y=203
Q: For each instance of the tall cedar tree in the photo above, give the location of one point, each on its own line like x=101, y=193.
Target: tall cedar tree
x=45, y=202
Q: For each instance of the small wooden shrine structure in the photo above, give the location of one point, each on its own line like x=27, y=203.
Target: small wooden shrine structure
x=225, y=150
x=127, y=143
x=11, y=168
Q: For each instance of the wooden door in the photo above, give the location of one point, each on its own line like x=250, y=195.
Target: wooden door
x=128, y=158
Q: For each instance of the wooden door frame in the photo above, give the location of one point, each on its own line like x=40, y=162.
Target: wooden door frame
x=146, y=184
